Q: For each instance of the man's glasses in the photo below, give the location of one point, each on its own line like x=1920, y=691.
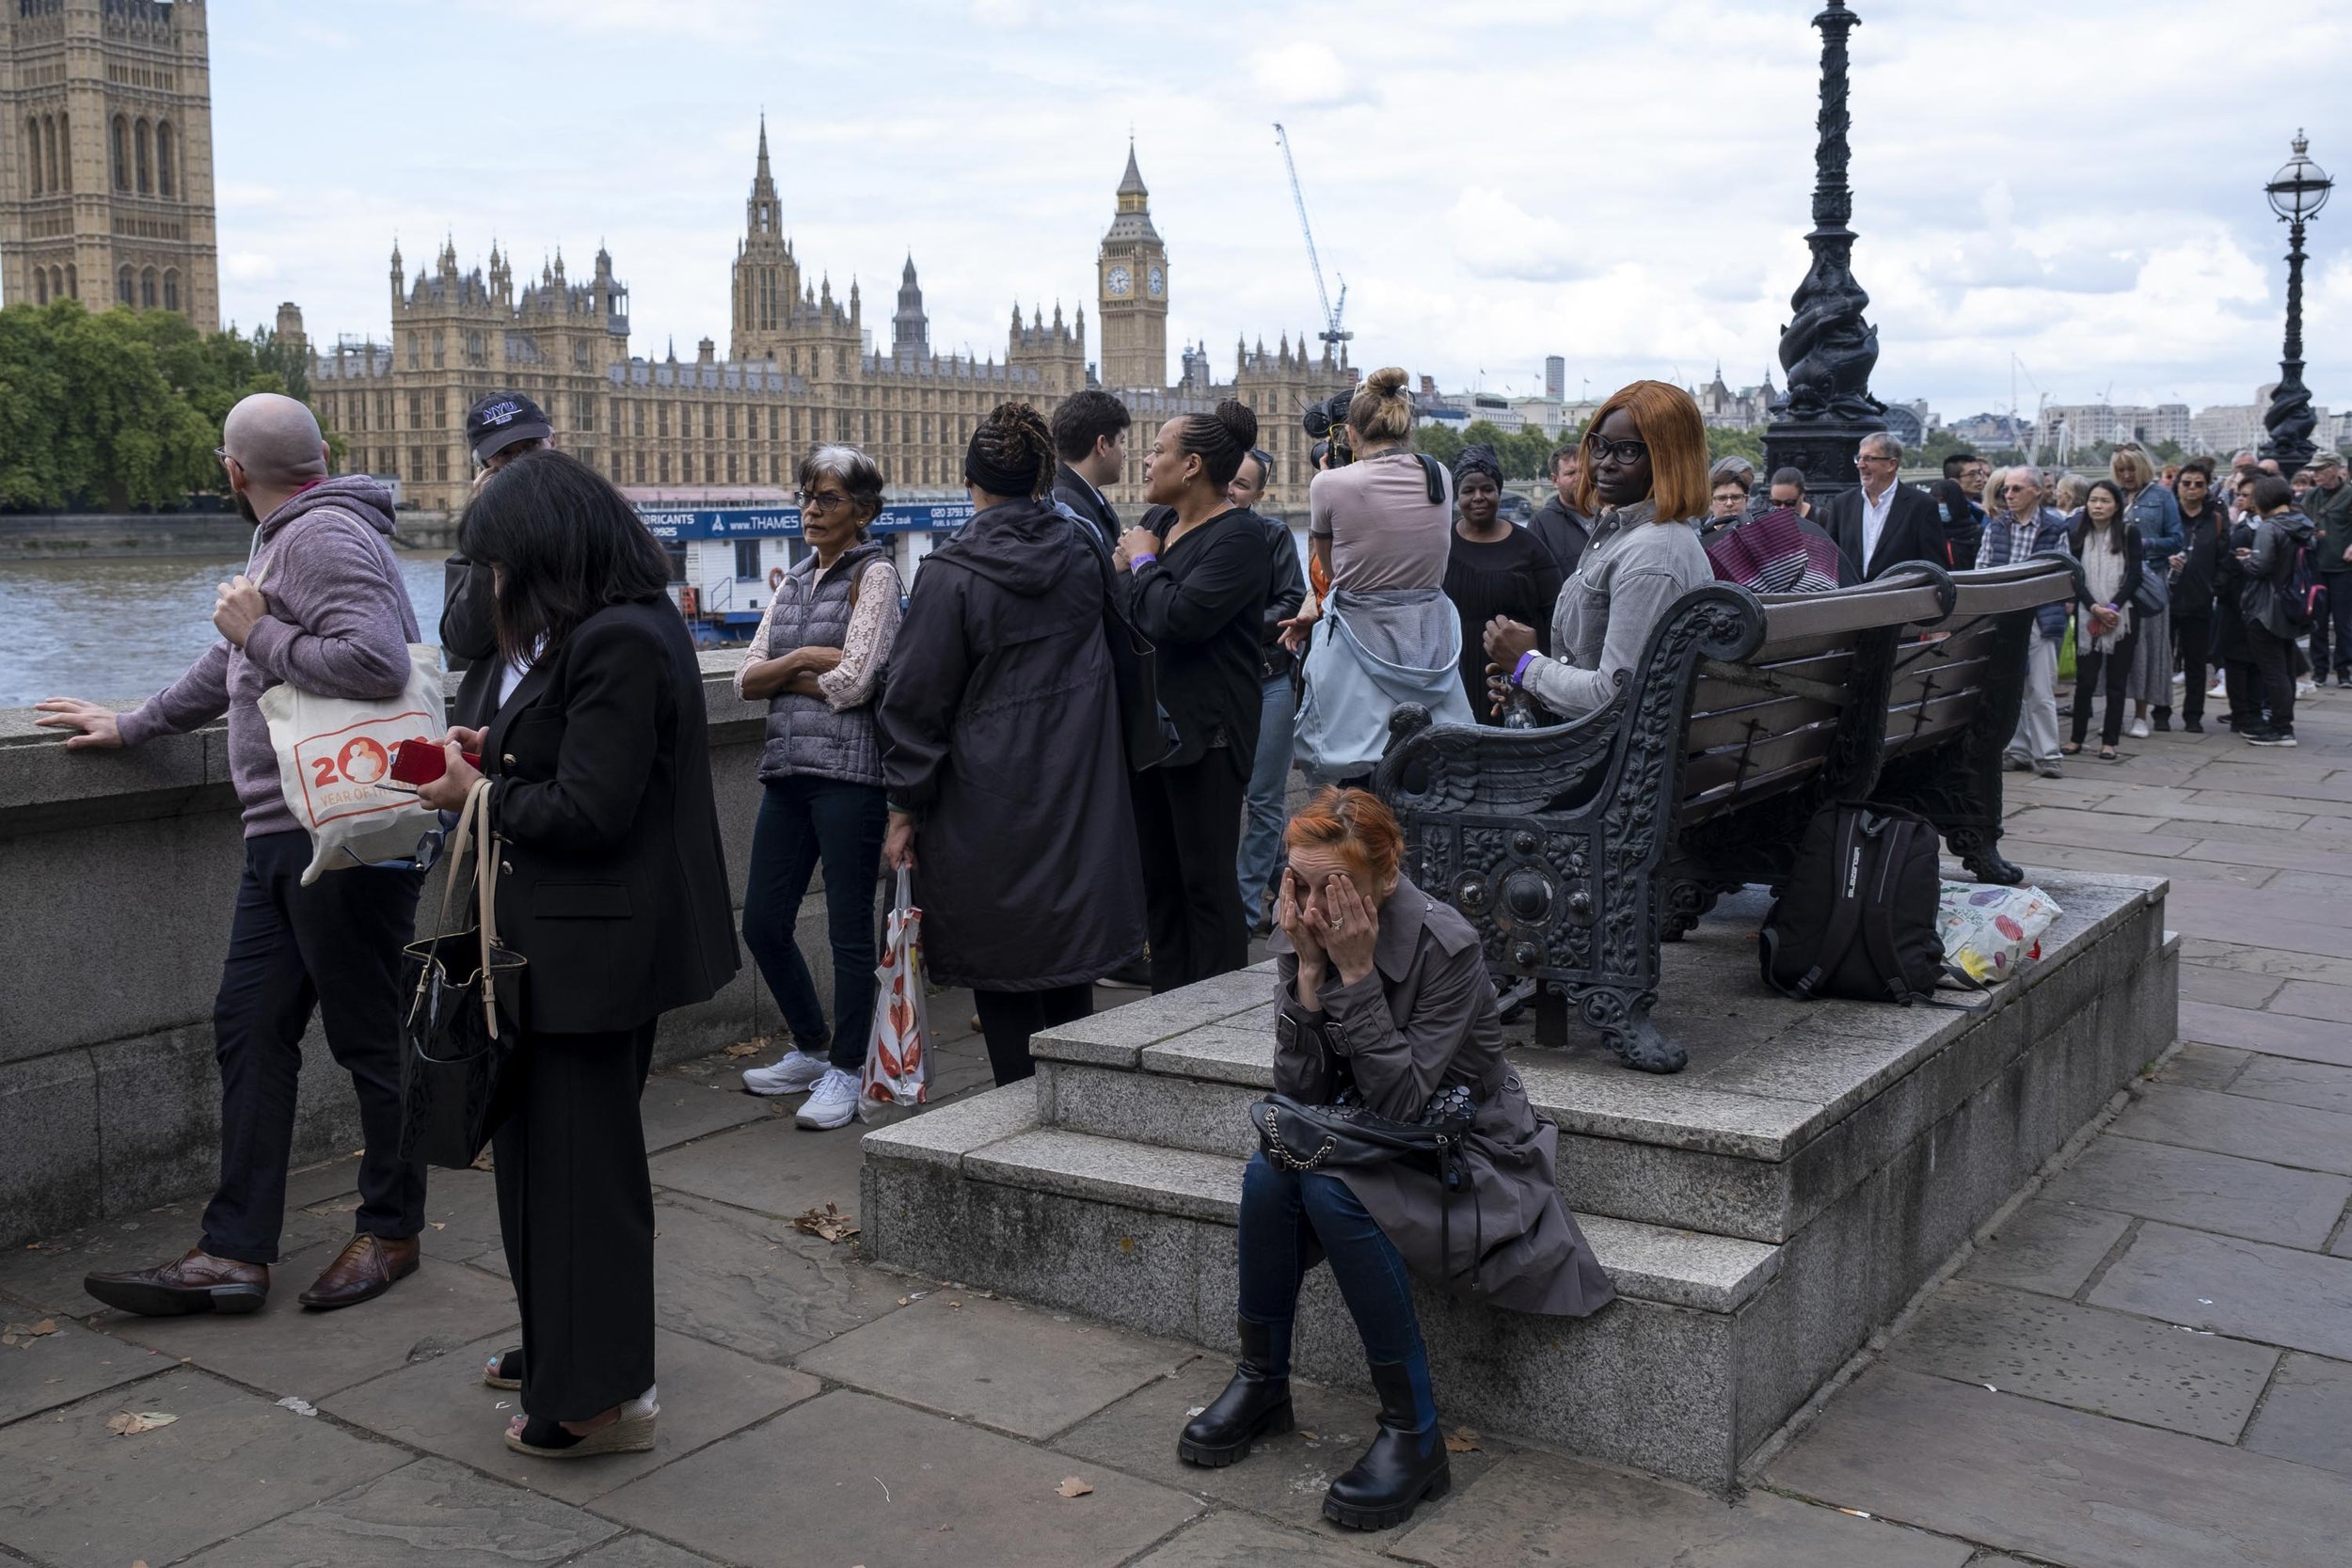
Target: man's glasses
x=1626, y=452
x=220, y=455
x=822, y=500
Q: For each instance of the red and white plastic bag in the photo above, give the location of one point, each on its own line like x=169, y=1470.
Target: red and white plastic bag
x=897, y=1070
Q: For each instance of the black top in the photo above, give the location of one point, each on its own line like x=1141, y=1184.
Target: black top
x=1564, y=532
x=1286, y=590
x=1202, y=602
x=2078, y=532
x=1516, y=575
x=2193, y=590
x=1072, y=489
x=613, y=881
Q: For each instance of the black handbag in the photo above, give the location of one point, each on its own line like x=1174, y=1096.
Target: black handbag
x=1149, y=732
x=1301, y=1137
x=460, y=1038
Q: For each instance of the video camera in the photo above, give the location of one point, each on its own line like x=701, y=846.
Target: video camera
x=1327, y=422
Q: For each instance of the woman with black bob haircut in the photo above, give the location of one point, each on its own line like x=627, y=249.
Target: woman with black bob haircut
x=612, y=885
x=1196, y=578
x=1003, y=755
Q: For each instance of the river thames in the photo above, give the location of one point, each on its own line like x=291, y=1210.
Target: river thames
x=123, y=629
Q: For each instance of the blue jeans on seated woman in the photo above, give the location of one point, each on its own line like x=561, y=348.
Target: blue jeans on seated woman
x=803, y=822
x=1289, y=1218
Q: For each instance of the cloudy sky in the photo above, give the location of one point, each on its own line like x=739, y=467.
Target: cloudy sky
x=2068, y=195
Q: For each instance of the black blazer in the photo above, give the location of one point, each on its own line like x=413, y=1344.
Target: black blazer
x=611, y=880
x=1914, y=531
x=1202, y=604
x=1072, y=491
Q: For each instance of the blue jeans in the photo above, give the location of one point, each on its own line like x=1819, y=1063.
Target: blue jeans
x=1287, y=1219
x=803, y=821
x=1261, y=854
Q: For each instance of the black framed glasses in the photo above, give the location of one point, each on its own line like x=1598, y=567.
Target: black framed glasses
x=1628, y=452
x=821, y=500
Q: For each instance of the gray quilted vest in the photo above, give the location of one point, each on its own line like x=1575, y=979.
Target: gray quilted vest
x=806, y=739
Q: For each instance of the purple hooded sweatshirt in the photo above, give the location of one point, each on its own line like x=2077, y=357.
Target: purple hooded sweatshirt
x=339, y=624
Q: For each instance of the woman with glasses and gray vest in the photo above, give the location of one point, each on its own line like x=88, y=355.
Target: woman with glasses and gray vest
x=816, y=658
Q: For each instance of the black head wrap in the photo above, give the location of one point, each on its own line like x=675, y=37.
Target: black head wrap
x=987, y=476
x=1478, y=458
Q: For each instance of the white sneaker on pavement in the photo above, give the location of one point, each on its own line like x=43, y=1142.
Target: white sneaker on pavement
x=797, y=1071
x=831, y=1103
x=2219, y=689
x=2138, y=729
x=2304, y=689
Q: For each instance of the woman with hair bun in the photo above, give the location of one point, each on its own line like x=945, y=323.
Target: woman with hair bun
x=1381, y=527
x=1385, y=1005
x=1197, y=580
x=1494, y=568
x=1002, y=756
x=1645, y=474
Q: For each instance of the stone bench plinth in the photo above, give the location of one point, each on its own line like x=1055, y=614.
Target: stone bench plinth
x=1761, y=1212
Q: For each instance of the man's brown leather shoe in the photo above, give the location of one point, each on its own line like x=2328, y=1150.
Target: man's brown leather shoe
x=198, y=1282
x=364, y=1270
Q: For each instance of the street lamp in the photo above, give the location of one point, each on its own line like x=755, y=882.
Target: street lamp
x=2297, y=193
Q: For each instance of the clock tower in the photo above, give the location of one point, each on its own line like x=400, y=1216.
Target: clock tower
x=1132, y=277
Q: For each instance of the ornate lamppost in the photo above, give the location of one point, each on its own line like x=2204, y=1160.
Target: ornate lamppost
x=1827, y=349
x=2297, y=193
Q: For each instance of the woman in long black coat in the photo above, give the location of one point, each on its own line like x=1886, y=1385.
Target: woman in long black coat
x=1003, y=758
x=612, y=885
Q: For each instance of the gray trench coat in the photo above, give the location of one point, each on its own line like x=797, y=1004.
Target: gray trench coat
x=1422, y=1020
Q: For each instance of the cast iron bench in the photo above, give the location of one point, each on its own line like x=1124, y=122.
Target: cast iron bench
x=1577, y=850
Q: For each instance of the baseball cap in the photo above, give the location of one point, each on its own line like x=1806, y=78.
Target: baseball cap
x=498, y=421
x=2326, y=460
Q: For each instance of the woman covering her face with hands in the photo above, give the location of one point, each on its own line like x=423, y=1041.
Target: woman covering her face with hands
x=1385, y=1003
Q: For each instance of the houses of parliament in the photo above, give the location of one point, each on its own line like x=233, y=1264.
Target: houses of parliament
x=121, y=213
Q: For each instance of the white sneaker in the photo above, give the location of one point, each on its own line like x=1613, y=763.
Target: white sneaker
x=831, y=1103
x=2304, y=689
x=2180, y=677
x=2219, y=689
x=2138, y=729
x=797, y=1071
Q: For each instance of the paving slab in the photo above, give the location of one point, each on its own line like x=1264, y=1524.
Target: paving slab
x=2047, y=1245
x=1023, y=1369
x=2308, y=1415
x=48, y=1273
x=2112, y=1363
x=640, y=1551
x=1566, y=1513
x=678, y=1107
x=2198, y=1065
x=2267, y=960
x=1244, y=1540
x=443, y=1407
x=1284, y=1478
x=74, y=1495
x=428, y=1514
x=461, y=1221
x=2281, y=1134
x=2229, y=988
x=2276, y=1295
x=754, y=1284
x=770, y=1167
x=875, y=1483
x=2279, y=1034
x=2212, y=1191
x=2314, y=1084
x=2059, y=1485
x=326, y=1180
x=44, y=1370
x=2314, y=999
x=288, y=1349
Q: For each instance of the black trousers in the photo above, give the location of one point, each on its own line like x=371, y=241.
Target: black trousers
x=2274, y=675
x=576, y=1213
x=2334, y=615
x=1189, y=825
x=1010, y=1017
x=2195, y=640
x=334, y=946
x=2115, y=666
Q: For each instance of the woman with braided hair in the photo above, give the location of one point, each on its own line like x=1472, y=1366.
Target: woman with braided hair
x=1002, y=755
x=1196, y=578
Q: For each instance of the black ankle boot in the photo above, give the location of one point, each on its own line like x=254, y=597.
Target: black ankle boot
x=1402, y=1466
x=1257, y=1404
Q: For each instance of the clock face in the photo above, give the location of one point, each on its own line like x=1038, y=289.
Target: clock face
x=1120, y=282
x=1156, y=281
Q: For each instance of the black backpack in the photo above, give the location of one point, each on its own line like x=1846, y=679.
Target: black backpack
x=1858, y=918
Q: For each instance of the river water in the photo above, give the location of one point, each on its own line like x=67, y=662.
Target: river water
x=126, y=629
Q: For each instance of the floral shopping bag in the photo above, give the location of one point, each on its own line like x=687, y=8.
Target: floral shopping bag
x=898, y=1052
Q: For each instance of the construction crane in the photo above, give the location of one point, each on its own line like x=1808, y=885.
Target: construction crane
x=1331, y=333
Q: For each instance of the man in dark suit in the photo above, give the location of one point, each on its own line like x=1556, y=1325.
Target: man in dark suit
x=1091, y=441
x=1882, y=522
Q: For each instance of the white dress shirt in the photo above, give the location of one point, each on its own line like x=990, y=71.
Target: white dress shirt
x=1874, y=523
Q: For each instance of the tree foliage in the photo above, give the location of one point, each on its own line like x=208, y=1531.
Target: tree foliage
x=1524, y=454
x=122, y=409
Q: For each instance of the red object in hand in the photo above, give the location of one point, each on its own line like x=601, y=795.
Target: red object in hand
x=420, y=761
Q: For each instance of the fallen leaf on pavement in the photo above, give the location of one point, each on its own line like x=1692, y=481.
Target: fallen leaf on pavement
x=1072, y=1487
x=129, y=1425
x=482, y=1160
x=749, y=1048
x=829, y=1223
x=1462, y=1441
x=439, y=1224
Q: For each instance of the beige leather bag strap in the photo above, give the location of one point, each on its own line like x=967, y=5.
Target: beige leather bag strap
x=459, y=842
x=485, y=882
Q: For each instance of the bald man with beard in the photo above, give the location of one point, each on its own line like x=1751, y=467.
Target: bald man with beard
x=321, y=604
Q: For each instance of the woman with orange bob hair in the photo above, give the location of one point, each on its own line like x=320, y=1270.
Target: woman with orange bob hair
x=1645, y=476
x=1386, y=1006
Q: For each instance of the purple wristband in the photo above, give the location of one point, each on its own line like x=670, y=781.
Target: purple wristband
x=1136, y=562
x=1518, y=670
